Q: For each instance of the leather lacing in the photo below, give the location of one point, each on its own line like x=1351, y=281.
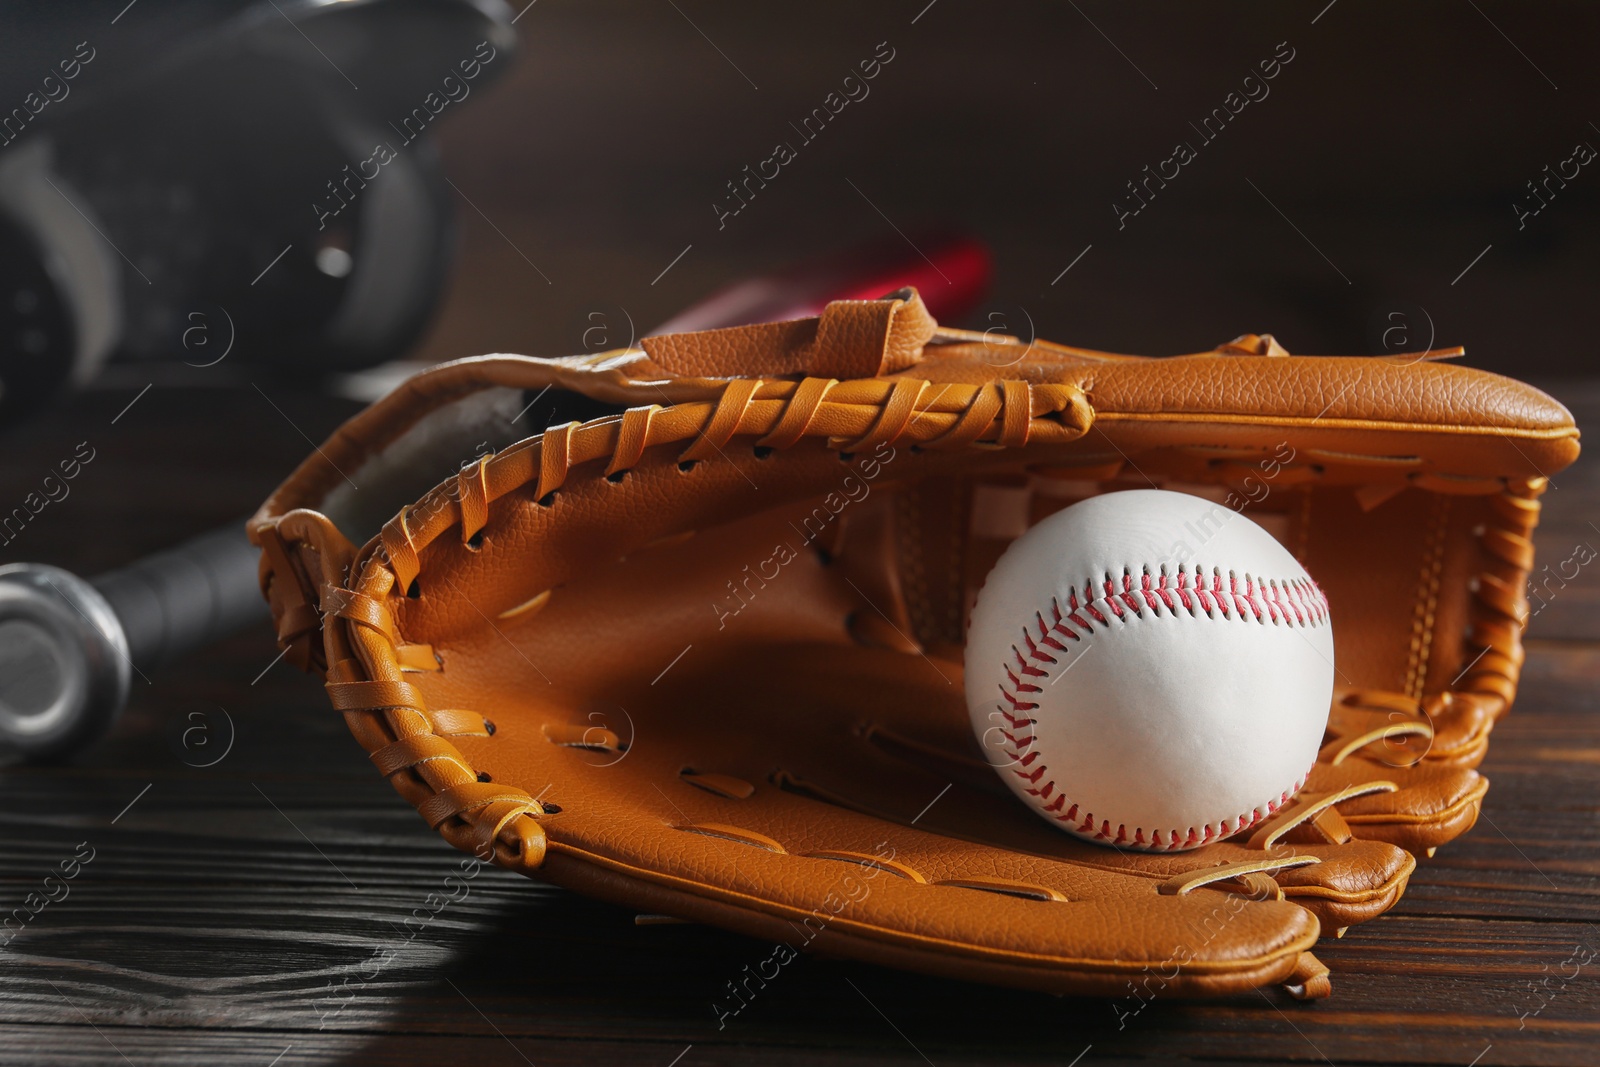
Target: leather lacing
x=861, y=413
x=307, y=561
x=366, y=656
x=1453, y=724
x=852, y=416
x=413, y=748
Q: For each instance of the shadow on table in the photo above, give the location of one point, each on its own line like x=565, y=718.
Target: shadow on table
x=563, y=979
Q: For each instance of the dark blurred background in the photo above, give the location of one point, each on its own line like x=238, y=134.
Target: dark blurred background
x=1391, y=152
x=1383, y=180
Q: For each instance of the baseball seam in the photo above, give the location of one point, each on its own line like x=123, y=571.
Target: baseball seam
x=1276, y=602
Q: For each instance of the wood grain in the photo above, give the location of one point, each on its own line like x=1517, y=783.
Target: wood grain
x=260, y=905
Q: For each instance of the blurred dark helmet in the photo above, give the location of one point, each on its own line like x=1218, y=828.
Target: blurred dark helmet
x=188, y=179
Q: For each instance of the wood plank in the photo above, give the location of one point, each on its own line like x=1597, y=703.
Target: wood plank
x=208, y=928
x=231, y=915
x=1425, y=991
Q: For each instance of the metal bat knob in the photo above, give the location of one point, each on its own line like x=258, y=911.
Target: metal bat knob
x=70, y=647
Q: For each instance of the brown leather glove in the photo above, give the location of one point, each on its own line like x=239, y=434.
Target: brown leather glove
x=699, y=653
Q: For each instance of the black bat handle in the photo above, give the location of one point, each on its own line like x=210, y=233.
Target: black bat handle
x=184, y=598
x=71, y=648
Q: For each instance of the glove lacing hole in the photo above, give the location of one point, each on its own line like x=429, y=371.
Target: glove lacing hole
x=762, y=451
x=414, y=590
x=688, y=465
x=475, y=542
x=615, y=477
x=483, y=776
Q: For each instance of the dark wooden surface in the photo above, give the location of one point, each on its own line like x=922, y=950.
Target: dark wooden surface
x=255, y=906
x=233, y=913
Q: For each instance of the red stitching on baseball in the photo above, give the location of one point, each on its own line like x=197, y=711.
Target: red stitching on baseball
x=1294, y=602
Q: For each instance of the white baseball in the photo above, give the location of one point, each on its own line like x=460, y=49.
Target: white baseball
x=1151, y=670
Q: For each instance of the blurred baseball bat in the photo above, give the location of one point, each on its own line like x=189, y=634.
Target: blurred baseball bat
x=70, y=647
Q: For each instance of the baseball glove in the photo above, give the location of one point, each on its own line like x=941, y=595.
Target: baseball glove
x=696, y=648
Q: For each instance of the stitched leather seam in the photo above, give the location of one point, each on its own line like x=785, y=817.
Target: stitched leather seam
x=1426, y=606
x=956, y=577
x=1503, y=642
x=1291, y=602
x=736, y=898
x=1557, y=433
x=1492, y=647
x=911, y=555
x=1006, y=414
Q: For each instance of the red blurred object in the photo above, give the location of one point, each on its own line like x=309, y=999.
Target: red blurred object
x=951, y=271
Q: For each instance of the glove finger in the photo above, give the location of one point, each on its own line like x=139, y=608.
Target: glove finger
x=1433, y=804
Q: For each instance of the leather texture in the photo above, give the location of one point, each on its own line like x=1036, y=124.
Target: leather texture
x=700, y=654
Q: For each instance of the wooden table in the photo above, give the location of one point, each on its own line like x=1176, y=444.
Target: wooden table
x=233, y=913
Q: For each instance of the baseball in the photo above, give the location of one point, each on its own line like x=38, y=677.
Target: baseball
x=1150, y=670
